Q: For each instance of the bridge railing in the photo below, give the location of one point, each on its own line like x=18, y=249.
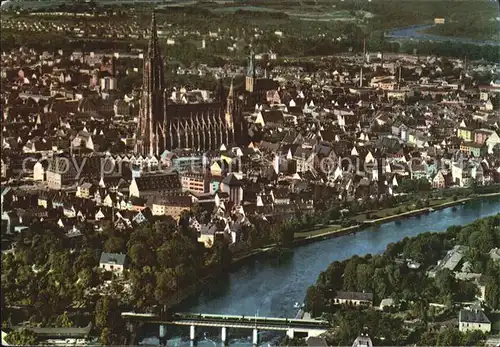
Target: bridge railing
x=224, y=318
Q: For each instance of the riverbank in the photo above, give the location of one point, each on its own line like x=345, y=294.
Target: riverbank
x=328, y=234
x=398, y=216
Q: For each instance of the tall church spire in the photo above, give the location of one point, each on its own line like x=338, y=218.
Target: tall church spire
x=153, y=48
x=151, y=127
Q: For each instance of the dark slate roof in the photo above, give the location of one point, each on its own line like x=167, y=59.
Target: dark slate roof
x=231, y=180
x=354, y=296
x=473, y=316
x=264, y=84
x=273, y=116
x=158, y=182
x=173, y=200
x=114, y=258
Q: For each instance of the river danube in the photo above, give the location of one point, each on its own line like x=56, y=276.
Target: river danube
x=269, y=288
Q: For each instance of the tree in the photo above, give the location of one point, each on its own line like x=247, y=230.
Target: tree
x=331, y=278
x=351, y=275
x=419, y=204
x=64, y=320
x=449, y=337
x=107, y=314
x=472, y=338
x=115, y=244
x=141, y=255
x=314, y=301
x=87, y=278
x=496, y=151
x=493, y=294
x=86, y=260
x=106, y=338
x=23, y=337
x=445, y=282
x=166, y=284
x=108, y=320
x=102, y=312
x=365, y=277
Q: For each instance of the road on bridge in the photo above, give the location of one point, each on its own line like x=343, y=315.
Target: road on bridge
x=246, y=325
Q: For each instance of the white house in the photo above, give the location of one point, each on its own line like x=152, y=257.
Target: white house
x=354, y=298
x=114, y=262
x=38, y=172
x=473, y=319
x=492, y=140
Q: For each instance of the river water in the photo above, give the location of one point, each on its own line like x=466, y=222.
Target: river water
x=266, y=287
x=417, y=32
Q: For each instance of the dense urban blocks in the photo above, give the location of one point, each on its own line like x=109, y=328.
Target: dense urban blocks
x=146, y=156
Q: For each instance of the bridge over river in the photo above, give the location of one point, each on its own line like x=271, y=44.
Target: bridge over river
x=292, y=327
x=270, y=287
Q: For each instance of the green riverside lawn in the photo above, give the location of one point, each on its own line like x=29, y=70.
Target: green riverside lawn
x=386, y=213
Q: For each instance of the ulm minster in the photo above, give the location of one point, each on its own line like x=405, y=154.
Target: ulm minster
x=165, y=124
x=250, y=173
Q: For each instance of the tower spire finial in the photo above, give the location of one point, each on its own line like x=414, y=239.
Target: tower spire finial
x=153, y=19
x=153, y=39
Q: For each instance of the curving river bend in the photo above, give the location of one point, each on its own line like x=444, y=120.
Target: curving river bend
x=267, y=288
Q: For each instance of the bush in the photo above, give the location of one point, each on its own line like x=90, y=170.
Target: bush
x=24, y=337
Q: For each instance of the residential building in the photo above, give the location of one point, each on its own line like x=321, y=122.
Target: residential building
x=481, y=135
x=113, y=262
x=354, y=298
x=195, y=182
x=473, y=319
x=363, y=340
x=492, y=141
x=473, y=149
x=151, y=185
x=171, y=205
x=465, y=134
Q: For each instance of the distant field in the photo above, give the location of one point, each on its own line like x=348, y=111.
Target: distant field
x=474, y=19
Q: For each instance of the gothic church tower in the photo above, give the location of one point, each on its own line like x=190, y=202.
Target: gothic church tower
x=151, y=128
x=250, y=78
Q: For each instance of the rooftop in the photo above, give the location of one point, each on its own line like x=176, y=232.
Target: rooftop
x=112, y=258
x=473, y=316
x=355, y=296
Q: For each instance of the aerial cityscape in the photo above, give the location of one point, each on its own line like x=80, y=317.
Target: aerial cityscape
x=250, y=173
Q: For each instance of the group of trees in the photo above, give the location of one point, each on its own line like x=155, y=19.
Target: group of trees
x=387, y=330
x=24, y=337
x=414, y=185
x=45, y=275
x=385, y=276
x=50, y=273
x=108, y=321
